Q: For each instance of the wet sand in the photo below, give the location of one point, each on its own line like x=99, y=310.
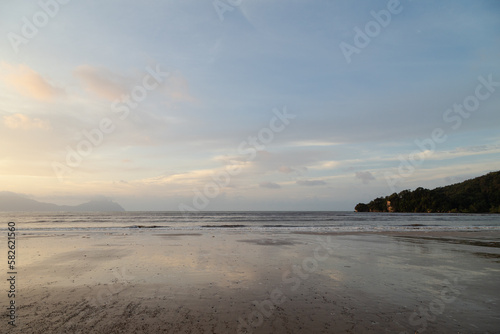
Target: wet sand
x=150, y=281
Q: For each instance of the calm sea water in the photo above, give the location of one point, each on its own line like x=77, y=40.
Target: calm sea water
x=249, y=221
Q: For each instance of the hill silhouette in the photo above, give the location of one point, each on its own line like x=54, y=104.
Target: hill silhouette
x=16, y=202
x=478, y=195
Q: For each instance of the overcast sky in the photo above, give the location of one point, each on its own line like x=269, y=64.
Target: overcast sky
x=246, y=104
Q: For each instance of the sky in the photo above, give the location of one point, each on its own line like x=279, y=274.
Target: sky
x=246, y=105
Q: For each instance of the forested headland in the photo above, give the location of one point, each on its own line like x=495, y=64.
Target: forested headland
x=478, y=195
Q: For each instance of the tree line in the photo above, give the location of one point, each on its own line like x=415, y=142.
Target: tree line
x=478, y=195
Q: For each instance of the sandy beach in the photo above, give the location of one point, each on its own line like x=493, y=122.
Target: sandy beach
x=146, y=281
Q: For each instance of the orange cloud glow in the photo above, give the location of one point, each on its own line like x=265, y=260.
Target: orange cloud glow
x=28, y=82
x=20, y=121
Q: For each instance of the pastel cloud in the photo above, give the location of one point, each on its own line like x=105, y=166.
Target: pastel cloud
x=112, y=86
x=221, y=89
x=102, y=82
x=20, y=121
x=285, y=170
x=326, y=165
x=177, y=88
x=29, y=83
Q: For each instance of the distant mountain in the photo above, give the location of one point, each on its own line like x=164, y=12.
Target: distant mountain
x=478, y=195
x=98, y=205
x=15, y=202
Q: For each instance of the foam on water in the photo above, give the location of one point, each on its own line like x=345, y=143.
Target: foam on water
x=251, y=221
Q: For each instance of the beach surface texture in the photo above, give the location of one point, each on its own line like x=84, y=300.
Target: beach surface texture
x=149, y=280
x=230, y=282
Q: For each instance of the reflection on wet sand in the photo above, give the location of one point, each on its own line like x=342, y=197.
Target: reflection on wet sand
x=219, y=281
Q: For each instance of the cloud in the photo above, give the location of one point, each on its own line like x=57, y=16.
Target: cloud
x=475, y=149
x=177, y=88
x=289, y=170
x=102, y=82
x=285, y=169
x=365, y=177
x=20, y=121
x=29, y=83
x=311, y=183
x=315, y=143
x=325, y=165
x=269, y=185
x=112, y=86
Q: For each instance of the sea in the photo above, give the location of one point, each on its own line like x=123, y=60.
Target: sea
x=311, y=221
